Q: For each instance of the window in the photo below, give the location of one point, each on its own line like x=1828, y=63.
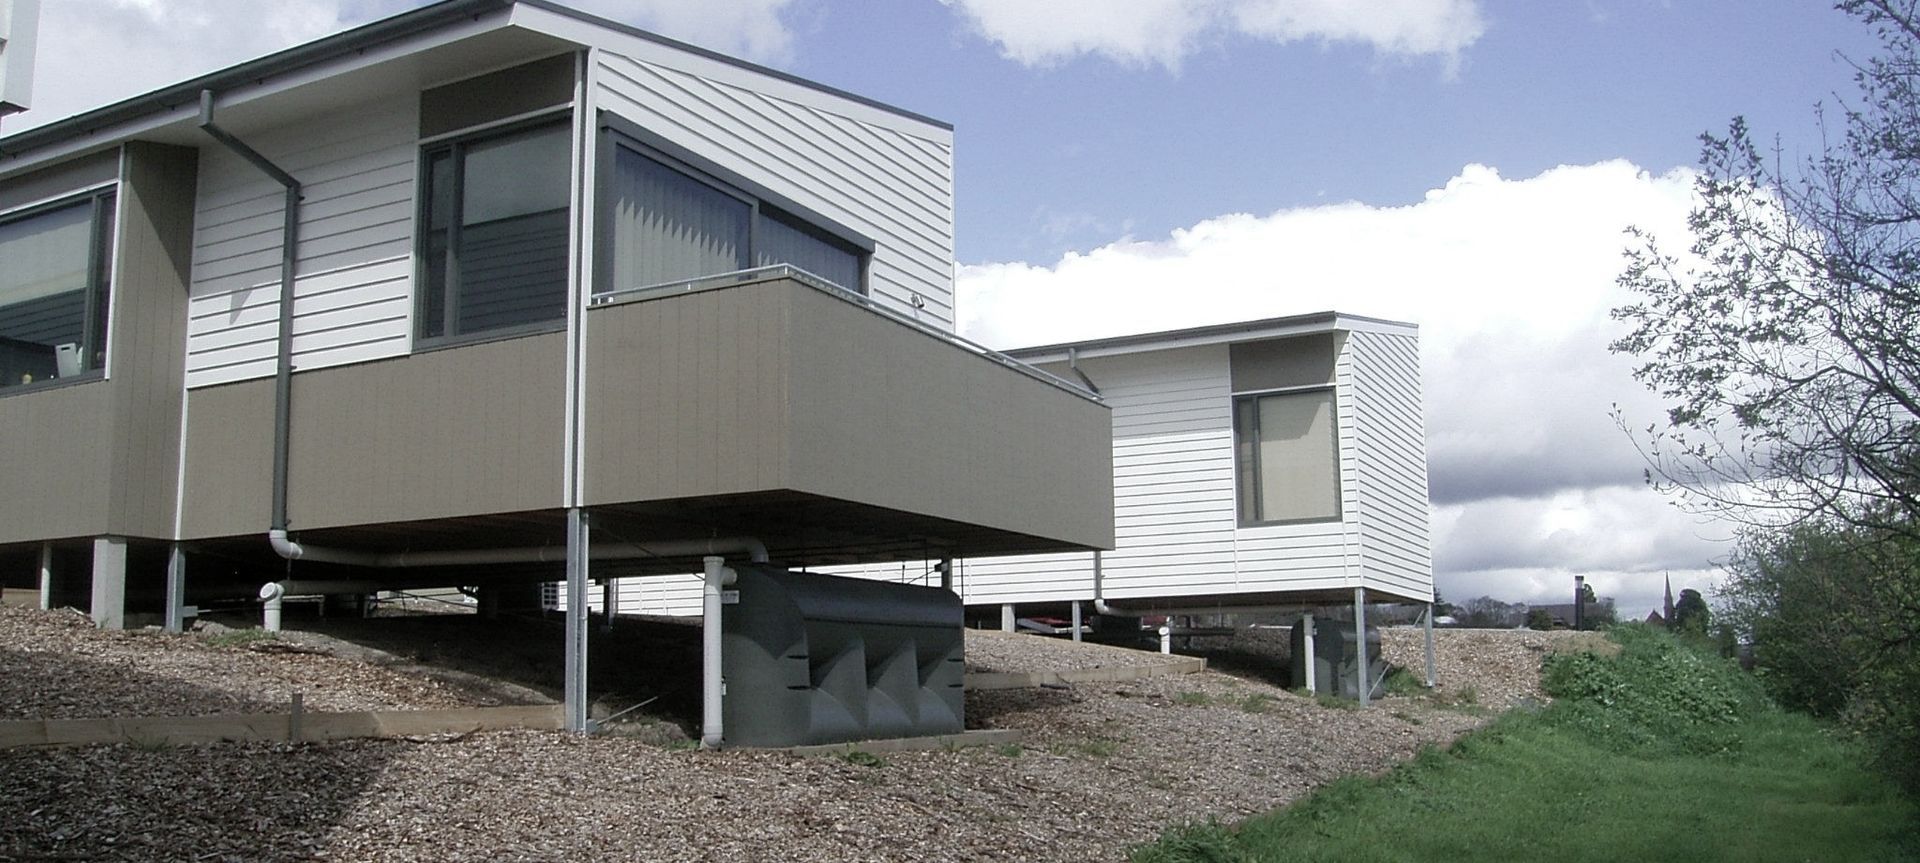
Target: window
x=1287, y=457
x=53, y=290
x=671, y=225
x=493, y=246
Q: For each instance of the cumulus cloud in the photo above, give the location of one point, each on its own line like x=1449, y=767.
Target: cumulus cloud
x=1511, y=281
x=1165, y=32
x=95, y=52
x=753, y=29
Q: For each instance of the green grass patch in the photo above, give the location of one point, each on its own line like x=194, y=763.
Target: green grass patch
x=240, y=637
x=1194, y=699
x=862, y=758
x=1659, y=754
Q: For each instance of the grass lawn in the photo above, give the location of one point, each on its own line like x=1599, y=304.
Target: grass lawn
x=1579, y=782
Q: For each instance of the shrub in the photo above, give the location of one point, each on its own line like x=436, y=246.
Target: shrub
x=1656, y=691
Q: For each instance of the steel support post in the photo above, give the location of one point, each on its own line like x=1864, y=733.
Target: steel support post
x=576, y=652
x=1006, y=618
x=1432, y=678
x=608, y=598
x=1360, y=643
x=1076, y=620
x=176, y=589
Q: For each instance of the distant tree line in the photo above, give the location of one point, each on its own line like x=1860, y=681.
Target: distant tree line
x=1786, y=342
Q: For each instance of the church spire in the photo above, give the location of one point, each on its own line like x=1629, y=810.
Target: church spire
x=1669, y=611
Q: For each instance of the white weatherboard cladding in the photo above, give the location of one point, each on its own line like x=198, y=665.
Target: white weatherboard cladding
x=893, y=187
x=1391, y=460
x=354, y=276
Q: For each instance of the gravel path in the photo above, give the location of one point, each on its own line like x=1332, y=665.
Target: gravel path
x=1101, y=768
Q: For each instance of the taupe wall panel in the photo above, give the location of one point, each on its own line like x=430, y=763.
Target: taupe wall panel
x=887, y=415
x=53, y=464
x=229, y=460
x=461, y=431
x=150, y=335
x=687, y=396
x=777, y=386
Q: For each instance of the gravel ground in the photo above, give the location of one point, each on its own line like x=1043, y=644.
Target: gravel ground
x=1101, y=767
x=993, y=650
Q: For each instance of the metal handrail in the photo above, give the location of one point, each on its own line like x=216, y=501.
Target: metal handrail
x=720, y=281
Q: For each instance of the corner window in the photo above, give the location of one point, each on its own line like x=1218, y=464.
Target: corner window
x=1287, y=457
x=53, y=290
x=669, y=224
x=493, y=245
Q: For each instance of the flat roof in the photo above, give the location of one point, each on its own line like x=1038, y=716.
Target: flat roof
x=358, y=39
x=1214, y=333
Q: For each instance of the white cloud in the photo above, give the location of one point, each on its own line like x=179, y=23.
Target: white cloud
x=1511, y=282
x=1164, y=32
x=95, y=52
x=752, y=29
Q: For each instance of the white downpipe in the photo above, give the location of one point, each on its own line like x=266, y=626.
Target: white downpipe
x=1306, y=623
x=1100, y=605
x=713, y=683
x=271, y=595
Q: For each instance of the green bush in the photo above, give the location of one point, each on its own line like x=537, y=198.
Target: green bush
x=1656, y=691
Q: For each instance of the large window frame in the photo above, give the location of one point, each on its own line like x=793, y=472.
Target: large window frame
x=448, y=292
x=1249, y=476
x=763, y=205
x=95, y=322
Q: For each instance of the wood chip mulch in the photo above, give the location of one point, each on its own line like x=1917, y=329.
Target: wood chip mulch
x=1101, y=769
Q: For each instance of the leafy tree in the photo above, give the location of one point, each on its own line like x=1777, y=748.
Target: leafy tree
x=1690, y=613
x=1485, y=612
x=1786, y=342
x=1539, y=619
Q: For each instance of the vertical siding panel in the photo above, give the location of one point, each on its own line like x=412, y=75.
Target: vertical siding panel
x=1391, y=445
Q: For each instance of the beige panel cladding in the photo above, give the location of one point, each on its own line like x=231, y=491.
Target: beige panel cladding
x=887, y=415
x=778, y=386
x=687, y=396
x=53, y=462
x=454, y=432
x=150, y=335
x=229, y=475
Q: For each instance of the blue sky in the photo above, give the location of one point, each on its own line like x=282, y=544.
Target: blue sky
x=1133, y=165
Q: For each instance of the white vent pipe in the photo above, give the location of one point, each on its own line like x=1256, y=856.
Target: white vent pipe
x=713, y=684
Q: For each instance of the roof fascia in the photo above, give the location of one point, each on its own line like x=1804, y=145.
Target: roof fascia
x=369, y=44
x=1215, y=334
x=637, y=44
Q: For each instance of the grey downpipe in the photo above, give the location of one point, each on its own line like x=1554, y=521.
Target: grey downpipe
x=289, y=253
x=1100, y=605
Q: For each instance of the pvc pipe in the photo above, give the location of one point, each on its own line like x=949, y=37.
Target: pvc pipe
x=755, y=550
x=1306, y=622
x=713, y=684
x=46, y=576
x=271, y=595
x=1166, y=639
